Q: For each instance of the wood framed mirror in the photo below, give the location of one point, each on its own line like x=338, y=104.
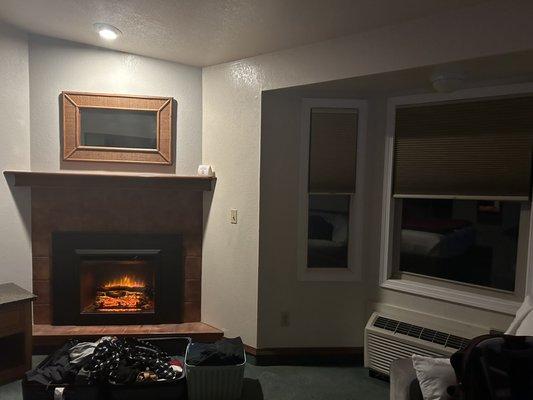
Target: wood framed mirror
x=117, y=128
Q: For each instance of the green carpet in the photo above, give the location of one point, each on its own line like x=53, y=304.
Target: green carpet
x=316, y=383
x=288, y=383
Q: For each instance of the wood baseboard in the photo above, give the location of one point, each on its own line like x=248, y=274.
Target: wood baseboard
x=305, y=355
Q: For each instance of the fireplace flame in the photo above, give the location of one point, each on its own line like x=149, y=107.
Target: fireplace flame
x=125, y=281
x=126, y=293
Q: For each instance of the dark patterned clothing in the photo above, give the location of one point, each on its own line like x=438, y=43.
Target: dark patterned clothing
x=121, y=360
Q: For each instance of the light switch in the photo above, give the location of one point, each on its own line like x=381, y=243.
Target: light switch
x=233, y=216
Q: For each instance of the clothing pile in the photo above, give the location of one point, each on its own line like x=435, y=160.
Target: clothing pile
x=109, y=359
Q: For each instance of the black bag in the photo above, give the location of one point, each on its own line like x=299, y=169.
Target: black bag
x=495, y=367
x=32, y=390
x=72, y=390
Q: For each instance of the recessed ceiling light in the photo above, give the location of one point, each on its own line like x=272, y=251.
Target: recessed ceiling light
x=106, y=31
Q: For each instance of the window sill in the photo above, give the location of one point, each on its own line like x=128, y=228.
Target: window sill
x=453, y=296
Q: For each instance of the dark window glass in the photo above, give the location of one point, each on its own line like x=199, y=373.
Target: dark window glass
x=327, y=245
x=466, y=241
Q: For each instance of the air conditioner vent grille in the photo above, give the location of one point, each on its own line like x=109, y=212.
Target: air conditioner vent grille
x=428, y=335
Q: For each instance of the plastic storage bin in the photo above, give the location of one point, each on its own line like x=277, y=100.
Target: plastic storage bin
x=214, y=382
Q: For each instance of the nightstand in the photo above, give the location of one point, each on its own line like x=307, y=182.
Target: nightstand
x=15, y=332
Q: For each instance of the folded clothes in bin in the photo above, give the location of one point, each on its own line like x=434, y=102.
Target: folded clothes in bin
x=222, y=352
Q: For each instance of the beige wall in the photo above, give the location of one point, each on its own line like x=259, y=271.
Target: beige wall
x=316, y=309
x=15, y=264
x=244, y=275
x=57, y=65
x=231, y=121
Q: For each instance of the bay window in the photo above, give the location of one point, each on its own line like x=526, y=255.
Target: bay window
x=457, y=202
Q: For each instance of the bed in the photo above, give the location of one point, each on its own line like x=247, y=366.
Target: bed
x=444, y=249
x=327, y=245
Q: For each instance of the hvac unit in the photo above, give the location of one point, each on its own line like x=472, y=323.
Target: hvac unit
x=388, y=338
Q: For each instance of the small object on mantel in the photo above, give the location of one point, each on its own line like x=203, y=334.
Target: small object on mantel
x=15, y=332
x=205, y=170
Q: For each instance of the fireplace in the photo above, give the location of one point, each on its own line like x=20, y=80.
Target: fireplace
x=102, y=278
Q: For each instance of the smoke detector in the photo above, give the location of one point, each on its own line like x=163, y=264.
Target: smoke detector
x=446, y=82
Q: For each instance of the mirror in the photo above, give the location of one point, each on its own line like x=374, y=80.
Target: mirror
x=118, y=128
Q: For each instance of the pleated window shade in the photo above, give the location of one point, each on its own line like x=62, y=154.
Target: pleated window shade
x=476, y=149
x=332, y=152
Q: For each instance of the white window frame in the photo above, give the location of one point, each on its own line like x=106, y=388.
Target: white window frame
x=355, y=227
x=387, y=268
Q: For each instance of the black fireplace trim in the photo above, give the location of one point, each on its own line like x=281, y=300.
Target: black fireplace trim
x=68, y=248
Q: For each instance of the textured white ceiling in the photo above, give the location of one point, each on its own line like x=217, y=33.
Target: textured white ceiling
x=207, y=32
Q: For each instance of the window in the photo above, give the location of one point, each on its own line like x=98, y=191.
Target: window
x=466, y=241
x=457, y=197
x=477, y=149
x=328, y=231
x=330, y=176
x=332, y=170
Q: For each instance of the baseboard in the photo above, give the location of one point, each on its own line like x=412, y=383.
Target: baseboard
x=305, y=355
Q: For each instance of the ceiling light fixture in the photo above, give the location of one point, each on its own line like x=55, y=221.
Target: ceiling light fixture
x=106, y=31
x=446, y=82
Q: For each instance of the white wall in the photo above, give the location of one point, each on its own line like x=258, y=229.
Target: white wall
x=233, y=291
x=57, y=65
x=15, y=255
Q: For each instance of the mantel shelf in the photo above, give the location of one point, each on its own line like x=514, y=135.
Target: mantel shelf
x=115, y=180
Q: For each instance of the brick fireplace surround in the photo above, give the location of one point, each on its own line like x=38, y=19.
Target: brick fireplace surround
x=112, y=209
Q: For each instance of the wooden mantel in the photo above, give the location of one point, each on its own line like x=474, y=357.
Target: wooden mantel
x=108, y=179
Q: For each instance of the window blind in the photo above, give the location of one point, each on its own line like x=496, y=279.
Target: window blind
x=475, y=149
x=332, y=152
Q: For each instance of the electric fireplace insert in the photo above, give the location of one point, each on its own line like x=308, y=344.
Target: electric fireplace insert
x=124, y=283
x=116, y=278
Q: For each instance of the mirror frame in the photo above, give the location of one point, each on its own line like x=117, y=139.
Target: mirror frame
x=73, y=150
